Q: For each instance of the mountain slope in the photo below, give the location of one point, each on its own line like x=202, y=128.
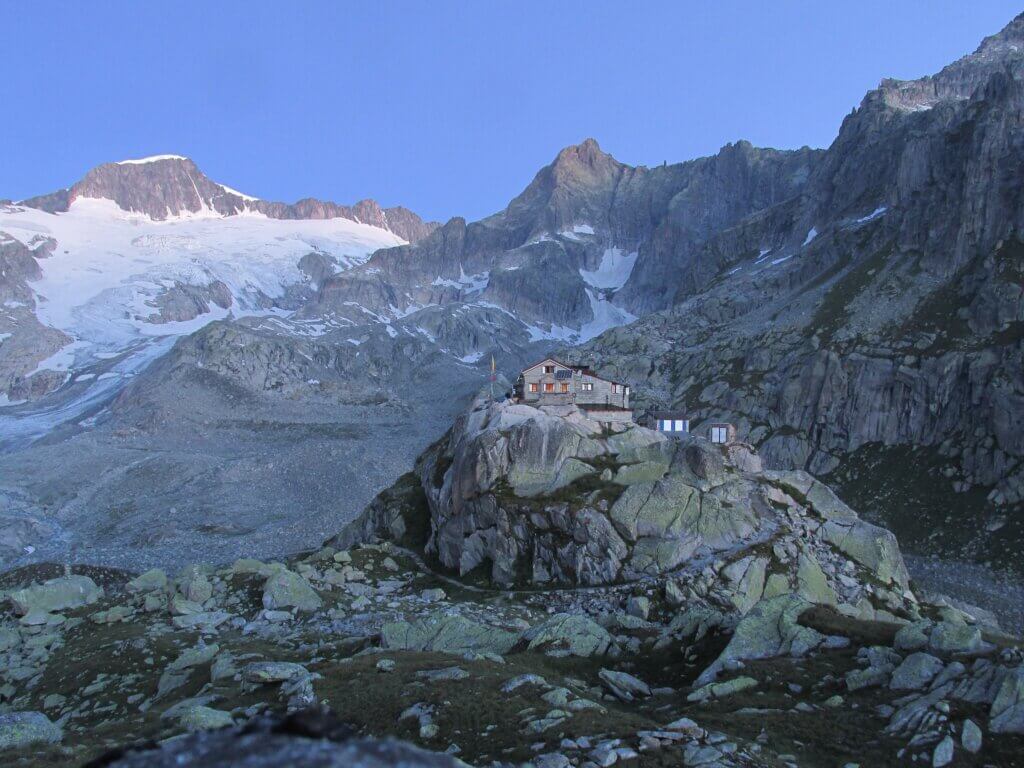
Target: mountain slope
x=873, y=327
x=145, y=250
x=580, y=249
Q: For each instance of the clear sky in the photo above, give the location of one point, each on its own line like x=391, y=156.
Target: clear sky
x=448, y=108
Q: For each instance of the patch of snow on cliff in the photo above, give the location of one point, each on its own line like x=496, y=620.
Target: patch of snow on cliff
x=810, y=236
x=467, y=283
x=446, y=282
x=613, y=271
x=150, y=159
x=236, y=193
x=872, y=216
x=762, y=255
x=605, y=316
x=583, y=229
x=61, y=360
x=474, y=283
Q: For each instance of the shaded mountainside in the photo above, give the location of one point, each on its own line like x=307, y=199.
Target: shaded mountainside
x=873, y=328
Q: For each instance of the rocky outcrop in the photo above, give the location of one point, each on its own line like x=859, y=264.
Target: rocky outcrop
x=547, y=496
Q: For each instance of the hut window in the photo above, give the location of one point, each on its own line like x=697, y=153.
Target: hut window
x=534, y=387
x=549, y=386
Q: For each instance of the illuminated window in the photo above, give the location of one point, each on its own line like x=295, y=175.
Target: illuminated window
x=549, y=386
x=534, y=387
x=565, y=386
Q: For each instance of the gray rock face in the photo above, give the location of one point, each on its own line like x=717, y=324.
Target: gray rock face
x=879, y=310
x=500, y=496
x=24, y=340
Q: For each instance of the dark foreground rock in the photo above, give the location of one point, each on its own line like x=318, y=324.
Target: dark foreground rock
x=307, y=739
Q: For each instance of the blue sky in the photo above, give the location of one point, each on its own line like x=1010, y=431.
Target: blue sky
x=449, y=108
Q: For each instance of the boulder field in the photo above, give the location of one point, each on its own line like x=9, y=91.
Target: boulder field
x=542, y=591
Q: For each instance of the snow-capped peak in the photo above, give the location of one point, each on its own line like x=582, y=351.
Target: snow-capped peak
x=150, y=159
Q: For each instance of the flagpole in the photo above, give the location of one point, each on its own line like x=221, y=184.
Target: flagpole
x=492, y=378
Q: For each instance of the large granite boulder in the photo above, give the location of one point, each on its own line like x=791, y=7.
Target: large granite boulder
x=287, y=589
x=770, y=629
x=447, y=634
x=58, y=594
x=570, y=635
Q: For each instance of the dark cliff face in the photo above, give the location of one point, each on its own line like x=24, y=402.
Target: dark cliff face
x=174, y=186
x=872, y=326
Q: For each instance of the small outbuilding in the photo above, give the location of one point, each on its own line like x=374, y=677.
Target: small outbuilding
x=722, y=433
x=669, y=422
